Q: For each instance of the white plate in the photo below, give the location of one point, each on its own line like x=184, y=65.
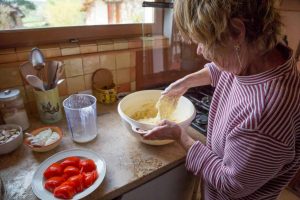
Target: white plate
x=37, y=183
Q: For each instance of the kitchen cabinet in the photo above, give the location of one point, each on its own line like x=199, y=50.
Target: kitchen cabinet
x=176, y=184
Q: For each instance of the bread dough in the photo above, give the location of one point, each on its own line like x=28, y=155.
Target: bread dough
x=153, y=113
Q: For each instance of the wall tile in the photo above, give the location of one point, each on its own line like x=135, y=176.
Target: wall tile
x=50, y=51
x=132, y=59
x=75, y=84
x=114, y=73
x=133, y=86
x=90, y=64
x=105, y=45
x=22, y=56
x=132, y=73
x=73, y=67
x=123, y=60
x=161, y=43
x=63, y=88
x=123, y=76
x=125, y=87
x=23, y=53
x=7, y=58
x=88, y=47
x=7, y=51
x=108, y=61
x=135, y=43
x=120, y=44
x=9, y=76
x=70, y=51
x=88, y=81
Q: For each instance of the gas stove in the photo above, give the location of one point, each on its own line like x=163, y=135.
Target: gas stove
x=201, y=98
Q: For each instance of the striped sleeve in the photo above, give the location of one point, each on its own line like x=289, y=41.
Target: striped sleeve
x=215, y=73
x=250, y=160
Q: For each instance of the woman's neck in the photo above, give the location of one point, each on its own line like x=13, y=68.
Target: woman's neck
x=261, y=63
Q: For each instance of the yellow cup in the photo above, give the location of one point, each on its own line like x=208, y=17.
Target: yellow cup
x=48, y=105
x=105, y=96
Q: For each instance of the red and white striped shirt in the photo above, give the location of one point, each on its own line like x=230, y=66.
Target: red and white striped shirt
x=253, y=139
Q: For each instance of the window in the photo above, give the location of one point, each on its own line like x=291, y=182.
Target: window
x=47, y=21
x=20, y=14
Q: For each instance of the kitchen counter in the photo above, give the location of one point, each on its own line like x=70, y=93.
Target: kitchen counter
x=129, y=163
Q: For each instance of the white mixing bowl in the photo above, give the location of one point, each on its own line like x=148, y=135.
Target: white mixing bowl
x=184, y=113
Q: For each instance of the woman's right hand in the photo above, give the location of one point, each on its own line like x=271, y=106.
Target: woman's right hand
x=177, y=89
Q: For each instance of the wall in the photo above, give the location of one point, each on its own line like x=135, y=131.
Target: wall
x=81, y=60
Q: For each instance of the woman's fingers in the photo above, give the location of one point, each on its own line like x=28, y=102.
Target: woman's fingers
x=155, y=133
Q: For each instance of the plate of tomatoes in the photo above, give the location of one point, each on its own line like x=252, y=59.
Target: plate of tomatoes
x=70, y=174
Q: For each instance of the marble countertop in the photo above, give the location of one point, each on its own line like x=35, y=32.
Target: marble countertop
x=129, y=162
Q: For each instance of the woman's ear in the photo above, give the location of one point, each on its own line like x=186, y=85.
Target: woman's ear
x=237, y=30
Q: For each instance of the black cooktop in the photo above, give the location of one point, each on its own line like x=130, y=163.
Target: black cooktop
x=201, y=98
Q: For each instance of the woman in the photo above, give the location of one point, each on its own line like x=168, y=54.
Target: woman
x=253, y=139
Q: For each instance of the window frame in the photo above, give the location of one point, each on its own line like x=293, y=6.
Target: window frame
x=42, y=36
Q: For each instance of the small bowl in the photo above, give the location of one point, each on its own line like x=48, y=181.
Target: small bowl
x=47, y=147
x=13, y=144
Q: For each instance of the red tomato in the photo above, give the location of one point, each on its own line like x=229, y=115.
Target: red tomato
x=53, y=170
x=53, y=182
x=65, y=190
x=89, y=178
x=78, y=182
x=87, y=165
x=71, y=171
x=70, y=161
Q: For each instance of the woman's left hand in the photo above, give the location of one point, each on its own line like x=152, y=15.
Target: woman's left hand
x=165, y=130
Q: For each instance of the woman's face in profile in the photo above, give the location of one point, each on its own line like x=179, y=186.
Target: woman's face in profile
x=225, y=58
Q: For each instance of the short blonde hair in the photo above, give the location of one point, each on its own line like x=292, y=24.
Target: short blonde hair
x=208, y=21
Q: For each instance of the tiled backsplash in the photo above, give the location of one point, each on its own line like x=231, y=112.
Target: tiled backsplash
x=81, y=60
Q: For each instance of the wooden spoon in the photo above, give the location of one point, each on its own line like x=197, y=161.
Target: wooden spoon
x=35, y=82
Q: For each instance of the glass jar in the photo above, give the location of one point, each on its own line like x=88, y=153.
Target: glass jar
x=12, y=108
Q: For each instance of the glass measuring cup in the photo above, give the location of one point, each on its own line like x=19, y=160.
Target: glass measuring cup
x=81, y=114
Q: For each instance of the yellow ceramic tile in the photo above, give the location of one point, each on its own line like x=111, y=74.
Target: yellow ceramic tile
x=123, y=60
x=89, y=49
x=68, y=45
x=23, y=56
x=63, y=89
x=88, y=81
x=133, y=86
x=135, y=43
x=7, y=58
x=10, y=77
x=90, y=64
x=7, y=51
x=108, y=61
x=132, y=74
x=120, y=44
x=105, y=41
x=75, y=84
x=114, y=73
x=106, y=47
x=70, y=51
x=24, y=49
x=50, y=51
x=132, y=59
x=123, y=76
x=73, y=67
